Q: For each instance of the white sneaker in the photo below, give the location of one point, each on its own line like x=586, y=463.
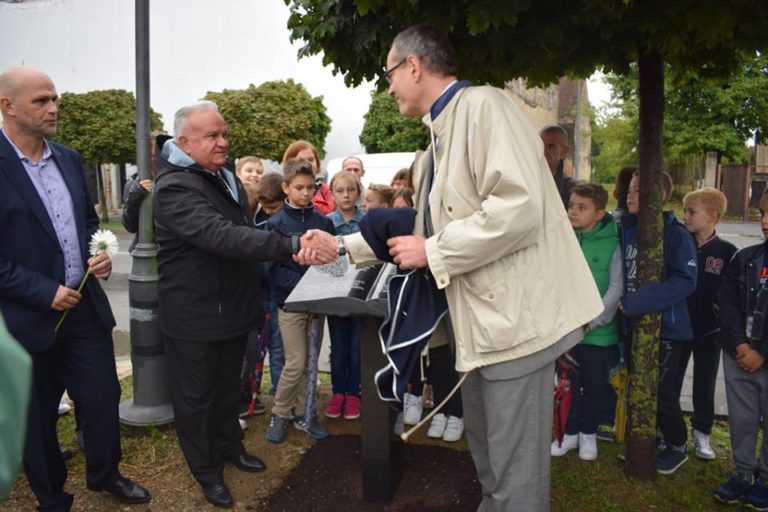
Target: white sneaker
x=437, y=427
x=64, y=408
x=412, y=406
x=701, y=444
x=454, y=429
x=243, y=424
x=569, y=443
x=587, y=446
x=399, y=425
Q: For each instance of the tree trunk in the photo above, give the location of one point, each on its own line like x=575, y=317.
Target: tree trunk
x=644, y=366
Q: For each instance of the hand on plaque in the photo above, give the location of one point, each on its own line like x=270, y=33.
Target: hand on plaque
x=317, y=247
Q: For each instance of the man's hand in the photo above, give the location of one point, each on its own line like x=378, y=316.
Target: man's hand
x=408, y=251
x=317, y=248
x=749, y=359
x=147, y=184
x=100, y=265
x=66, y=298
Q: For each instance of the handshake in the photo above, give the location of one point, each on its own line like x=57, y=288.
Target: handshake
x=317, y=248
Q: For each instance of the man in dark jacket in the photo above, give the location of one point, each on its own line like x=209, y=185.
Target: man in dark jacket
x=209, y=291
x=556, y=149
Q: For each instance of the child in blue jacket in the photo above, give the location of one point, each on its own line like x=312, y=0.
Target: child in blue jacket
x=669, y=296
x=297, y=216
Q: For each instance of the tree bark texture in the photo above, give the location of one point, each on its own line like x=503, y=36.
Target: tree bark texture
x=644, y=365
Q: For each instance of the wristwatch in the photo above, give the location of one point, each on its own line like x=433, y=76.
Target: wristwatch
x=295, y=244
x=342, y=247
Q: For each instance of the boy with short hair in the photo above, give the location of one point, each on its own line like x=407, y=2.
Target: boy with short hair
x=297, y=216
x=669, y=296
x=743, y=332
x=596, y=354
x=702, y=209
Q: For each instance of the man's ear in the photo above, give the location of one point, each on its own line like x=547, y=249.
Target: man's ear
x=6, y=105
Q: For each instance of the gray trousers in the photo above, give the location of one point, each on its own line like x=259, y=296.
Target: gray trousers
x=747, y=395
x=508, y=422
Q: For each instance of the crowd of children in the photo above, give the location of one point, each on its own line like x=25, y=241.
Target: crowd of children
x=710, y=299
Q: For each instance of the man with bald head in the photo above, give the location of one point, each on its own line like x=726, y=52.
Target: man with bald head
x=46, y=222
x=355, y=165
x=556, y=150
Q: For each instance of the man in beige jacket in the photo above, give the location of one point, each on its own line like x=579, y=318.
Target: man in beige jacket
x=492, y=229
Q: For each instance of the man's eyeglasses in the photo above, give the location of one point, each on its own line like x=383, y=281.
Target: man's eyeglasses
x=388, y=72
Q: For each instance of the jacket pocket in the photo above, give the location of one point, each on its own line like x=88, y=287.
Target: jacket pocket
x=499, y=315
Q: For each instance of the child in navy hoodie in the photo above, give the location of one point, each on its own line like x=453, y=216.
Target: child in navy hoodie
x=669, y=296
x=702, y=209
x=297, y=216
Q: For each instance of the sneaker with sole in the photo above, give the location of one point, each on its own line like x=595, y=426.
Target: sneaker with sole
x=570, y=442
x=670, y=459
x=701, y=444
x=437, y=427
x=314, y=430
x=412, y=406
x=734, y=489
x=454, y=429
x=333, y=410
x=757, y=499
x=245, y=408
x=606, y=433
x=587, y=446
x=277, y=429
x=351, y=407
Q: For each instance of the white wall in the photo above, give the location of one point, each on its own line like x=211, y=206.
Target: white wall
x=195, y=46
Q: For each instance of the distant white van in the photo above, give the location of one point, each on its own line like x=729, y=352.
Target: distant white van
x=379, y=167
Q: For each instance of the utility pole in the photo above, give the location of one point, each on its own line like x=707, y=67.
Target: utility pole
x=151, y=404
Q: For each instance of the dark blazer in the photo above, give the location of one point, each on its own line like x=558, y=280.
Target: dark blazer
x=31, y=260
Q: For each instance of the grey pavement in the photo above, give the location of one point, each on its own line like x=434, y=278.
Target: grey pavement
x=741, y=234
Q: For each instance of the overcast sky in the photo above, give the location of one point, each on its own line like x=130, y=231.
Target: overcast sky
x=196, y=46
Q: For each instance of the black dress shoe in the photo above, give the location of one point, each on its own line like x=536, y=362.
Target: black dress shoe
x=245, y=462
x=123, y=489
x=218, y=495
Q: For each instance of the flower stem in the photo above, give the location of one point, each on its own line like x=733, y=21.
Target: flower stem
x=79, y=289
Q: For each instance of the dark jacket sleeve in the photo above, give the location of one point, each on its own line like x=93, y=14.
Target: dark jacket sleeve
x=733, y=329
x=184, y=211
x=132, y=197
x=677, y=285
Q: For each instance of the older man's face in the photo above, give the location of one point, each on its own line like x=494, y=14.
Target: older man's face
x=555, y=149
x=204, y=138
x=353, y=165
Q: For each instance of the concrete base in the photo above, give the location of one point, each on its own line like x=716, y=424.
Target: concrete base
x=145, y=416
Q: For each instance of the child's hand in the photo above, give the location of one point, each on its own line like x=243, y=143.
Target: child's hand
x=750, y=360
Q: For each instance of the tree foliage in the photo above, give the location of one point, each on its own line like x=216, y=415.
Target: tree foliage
x=385, y=130
x=101, y=125
x=705, y=114
x=614, y=145
x=264, y=120
x=500, y=39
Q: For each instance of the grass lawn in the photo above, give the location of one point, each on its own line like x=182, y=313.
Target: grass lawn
x=152, y=457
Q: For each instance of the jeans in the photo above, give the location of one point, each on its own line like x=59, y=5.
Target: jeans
x=706, y=363
x=591, y=390
x=346, y=336
x=669, y=416
x=276, y=351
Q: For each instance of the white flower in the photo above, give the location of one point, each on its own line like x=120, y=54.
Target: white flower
x=104, y=240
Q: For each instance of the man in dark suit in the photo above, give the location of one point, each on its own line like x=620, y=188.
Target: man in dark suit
x=210, y=290
x=46, y=221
